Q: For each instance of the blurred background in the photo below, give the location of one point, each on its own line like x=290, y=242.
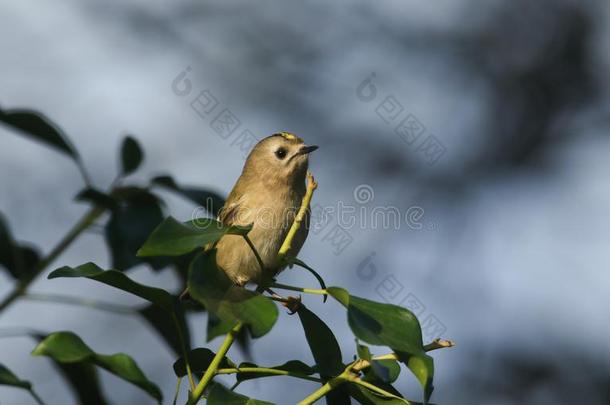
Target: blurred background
x=484, y=123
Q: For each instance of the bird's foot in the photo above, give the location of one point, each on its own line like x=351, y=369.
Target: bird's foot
x=292, y=303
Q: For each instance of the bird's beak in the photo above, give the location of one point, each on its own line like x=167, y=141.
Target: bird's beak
x=307, y=149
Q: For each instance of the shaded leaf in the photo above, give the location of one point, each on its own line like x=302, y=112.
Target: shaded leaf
x=367, y=397
x=163, y=322
x=231, y=303
x=389, y=325
x=173, y=238
x=386, y=371
x=130, y=224
x=97, y=197
x=84, y=380
x=210, y=200
x=19, y=260
x=66, y=347
x=199, y=360
x=118, y=280
x=39, y=127
x=219, y=395
x=322, y=342
x=8, y=378
x=218, y=327
x=131, y=155
x=294, y=366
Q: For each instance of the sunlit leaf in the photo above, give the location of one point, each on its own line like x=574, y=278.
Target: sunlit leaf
x=66, y=347
x=131, y=155
x=118, y=280
x=211, y=286
x=173, y=238
x=389, y=325
x=219, y=395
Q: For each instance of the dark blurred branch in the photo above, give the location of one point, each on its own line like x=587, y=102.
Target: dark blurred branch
x=22, y=286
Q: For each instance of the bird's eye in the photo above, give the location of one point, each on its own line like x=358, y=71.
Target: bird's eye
x=280, y=153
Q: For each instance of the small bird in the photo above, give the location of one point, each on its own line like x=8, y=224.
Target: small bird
x=268, y=194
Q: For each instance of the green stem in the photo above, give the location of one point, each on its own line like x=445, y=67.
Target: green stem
x=300, y=216
x=24, y=284
x=213, y=367
x=36, y=397
x=325, y=389
x=262, y=370
x=95, y=304
x=184, y=351
x=20, y=332
x=304, y=290
x=376, y=389
x=177, y=391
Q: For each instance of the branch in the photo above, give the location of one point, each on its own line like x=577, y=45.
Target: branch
x=263, y=370
x=354, y=368
x=304, y=290
x=21, y=288
x=298, y=219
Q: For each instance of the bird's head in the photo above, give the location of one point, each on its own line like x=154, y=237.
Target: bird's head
x=279, y=158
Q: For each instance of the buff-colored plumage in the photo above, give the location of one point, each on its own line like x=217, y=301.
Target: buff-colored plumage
x=267, y=195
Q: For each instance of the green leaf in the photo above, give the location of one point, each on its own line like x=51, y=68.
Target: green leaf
x=389, y=325
x=363, y=352
x=118, y=280
x=322, y=342
x=381, y=324
x=164, y=323
x=130, y=224
x=218, y=327
x=386, y=371
x=173, y=238
x=19, y=260
x=66, y=347
x=422, y=366
x=219, y=395
x=39, y=127
x=8, y=378
x=294, y=366
x=199, y=360
x=83, y=380
x=97, y=197
x=367, y=397
x=210, y=286
x=131, y=155
x=210, y=200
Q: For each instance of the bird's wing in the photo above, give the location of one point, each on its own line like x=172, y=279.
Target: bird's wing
x=228, y=213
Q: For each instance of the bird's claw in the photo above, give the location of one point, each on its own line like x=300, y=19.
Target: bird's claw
x=293, y=304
